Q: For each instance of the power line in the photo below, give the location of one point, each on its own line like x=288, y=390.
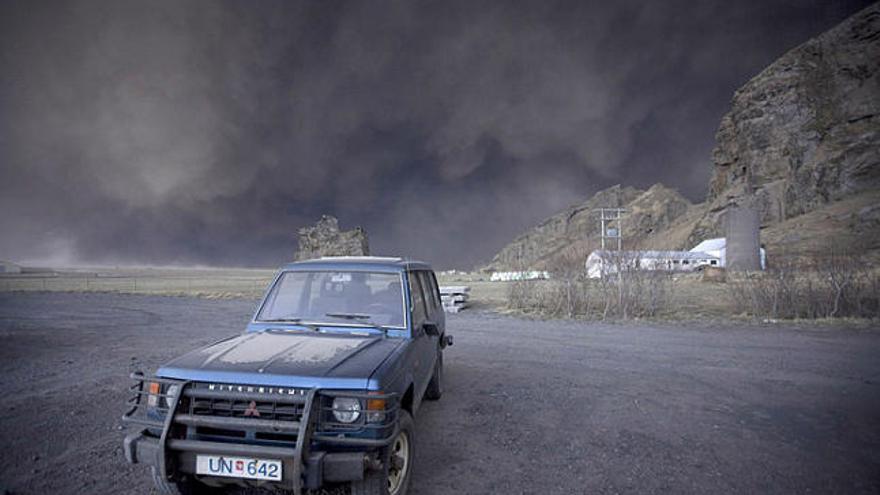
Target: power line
x=611, y=226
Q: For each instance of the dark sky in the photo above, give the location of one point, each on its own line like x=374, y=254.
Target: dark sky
x=191, y=132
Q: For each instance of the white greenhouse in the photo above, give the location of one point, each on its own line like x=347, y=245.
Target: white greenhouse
x=604, y=262
x=718, y=247
x=9, y=267
x=711, y=252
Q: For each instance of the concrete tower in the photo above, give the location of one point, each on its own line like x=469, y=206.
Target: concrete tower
x=743, y=238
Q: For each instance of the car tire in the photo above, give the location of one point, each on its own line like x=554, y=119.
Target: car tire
x=435, y=386
x=188, y=487
x=397, y=457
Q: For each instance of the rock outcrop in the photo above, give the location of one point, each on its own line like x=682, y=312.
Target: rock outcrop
x=801, y=144
x=577, y=228
x=805, y=132
x=325, y=239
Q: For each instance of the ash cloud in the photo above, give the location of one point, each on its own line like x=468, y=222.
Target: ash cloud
x=208, y=132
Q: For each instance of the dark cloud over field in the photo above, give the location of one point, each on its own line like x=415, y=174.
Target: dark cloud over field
x=190, y=132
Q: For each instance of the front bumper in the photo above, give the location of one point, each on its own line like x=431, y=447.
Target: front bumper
x=172, y=443
x=318, y=467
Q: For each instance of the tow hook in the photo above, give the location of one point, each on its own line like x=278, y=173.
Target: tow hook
x=371, y=463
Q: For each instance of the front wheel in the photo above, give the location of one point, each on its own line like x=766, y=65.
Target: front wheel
x=393, y=478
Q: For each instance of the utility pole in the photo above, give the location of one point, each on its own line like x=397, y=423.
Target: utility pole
x=611, y=226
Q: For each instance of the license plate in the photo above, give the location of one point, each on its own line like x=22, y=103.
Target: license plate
x=239, y=467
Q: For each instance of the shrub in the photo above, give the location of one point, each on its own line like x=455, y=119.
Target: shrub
x=624, y=292
x=837, y=285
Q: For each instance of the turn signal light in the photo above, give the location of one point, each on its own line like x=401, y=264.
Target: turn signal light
x=375, y=404
x=153, y=398
x=375, y=409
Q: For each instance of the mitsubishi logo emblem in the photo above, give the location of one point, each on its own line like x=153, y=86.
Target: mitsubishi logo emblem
x=251, y=409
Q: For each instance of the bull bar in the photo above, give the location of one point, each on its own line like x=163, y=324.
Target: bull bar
x=170, y=443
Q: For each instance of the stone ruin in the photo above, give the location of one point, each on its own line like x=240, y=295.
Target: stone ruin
x=325, y=239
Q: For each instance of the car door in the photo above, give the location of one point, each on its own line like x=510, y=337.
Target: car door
x=432, y=296
x=435, y=315
x=422, y=345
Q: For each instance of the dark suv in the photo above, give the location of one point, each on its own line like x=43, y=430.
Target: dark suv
x=321, y=388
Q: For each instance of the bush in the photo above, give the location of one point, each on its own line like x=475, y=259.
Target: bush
x=629, y=291
x=625, y=292
x=835, y=286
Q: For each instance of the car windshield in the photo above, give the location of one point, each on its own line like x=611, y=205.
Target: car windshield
x=336, y=297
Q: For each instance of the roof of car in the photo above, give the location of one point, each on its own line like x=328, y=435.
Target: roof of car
x=359, y=263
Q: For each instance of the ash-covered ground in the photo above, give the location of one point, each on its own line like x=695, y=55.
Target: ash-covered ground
x=530, y=406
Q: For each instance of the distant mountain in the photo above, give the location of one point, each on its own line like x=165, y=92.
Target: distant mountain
x=801, y=143
x=577, y=228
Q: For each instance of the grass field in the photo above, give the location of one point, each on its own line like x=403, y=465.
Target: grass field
x=201, y=282
x=691, y=297
x=204, y=282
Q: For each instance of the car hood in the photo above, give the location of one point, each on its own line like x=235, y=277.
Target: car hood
x=286, y=358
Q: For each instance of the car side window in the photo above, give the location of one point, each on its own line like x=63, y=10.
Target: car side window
x=418, y=299
x=435, y=289
x=430, y=292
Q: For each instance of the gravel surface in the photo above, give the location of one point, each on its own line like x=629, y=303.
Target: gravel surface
x=530, y=406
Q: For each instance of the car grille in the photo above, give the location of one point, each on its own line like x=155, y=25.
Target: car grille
x=243, y=409
x=241, y=412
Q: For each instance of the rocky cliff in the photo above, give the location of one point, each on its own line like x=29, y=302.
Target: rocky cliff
x=805, y=132
x=325, y=239
x=801, y=143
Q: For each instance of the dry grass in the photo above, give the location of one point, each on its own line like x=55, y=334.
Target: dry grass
x=624, y=292
x=484, y=294
x=570, y=295
x=846, y=226
x=202, y=282
x=207, y=283
x=812, y=294
x=834, y=286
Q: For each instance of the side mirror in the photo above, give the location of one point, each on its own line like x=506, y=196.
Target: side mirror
x=431, y=329
x=446, y=341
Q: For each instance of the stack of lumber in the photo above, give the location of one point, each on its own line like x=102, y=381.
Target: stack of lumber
x=455, y=297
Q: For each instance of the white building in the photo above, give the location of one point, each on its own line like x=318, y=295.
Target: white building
x=9, y=267
x=604, y=262
x=711, y=252
x=513, y=276
x=718, y=247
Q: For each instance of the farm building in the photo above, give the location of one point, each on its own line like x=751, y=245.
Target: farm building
x=711, y=252
x=718, y=247
x=604, y=262
x=9, y=267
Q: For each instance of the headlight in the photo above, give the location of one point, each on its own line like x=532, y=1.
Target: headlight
x=171, y=395
x=155, y=398
x=346, y=409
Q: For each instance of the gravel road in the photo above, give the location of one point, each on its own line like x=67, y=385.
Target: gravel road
x=530, y=406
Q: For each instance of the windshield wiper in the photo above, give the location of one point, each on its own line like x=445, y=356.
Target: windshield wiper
x=348, y=316
x=365, y=319
x=295, y=321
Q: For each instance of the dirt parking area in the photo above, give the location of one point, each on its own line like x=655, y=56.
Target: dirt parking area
x=530, y=406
